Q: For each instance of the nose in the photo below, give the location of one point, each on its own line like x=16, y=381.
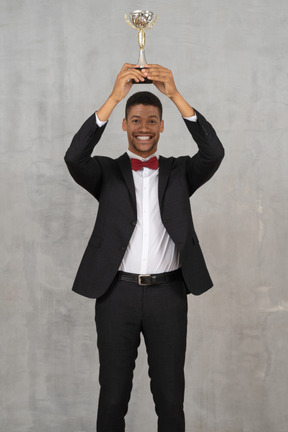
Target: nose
x=144, y=127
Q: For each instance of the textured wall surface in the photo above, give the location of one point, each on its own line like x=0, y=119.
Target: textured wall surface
x=59, y=60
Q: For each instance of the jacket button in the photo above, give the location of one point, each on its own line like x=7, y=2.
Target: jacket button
x=134, y=223
x=123, y=248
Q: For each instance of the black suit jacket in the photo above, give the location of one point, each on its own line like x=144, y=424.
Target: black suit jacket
x=110, y=181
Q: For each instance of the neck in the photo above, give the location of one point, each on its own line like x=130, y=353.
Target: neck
x=132, y=155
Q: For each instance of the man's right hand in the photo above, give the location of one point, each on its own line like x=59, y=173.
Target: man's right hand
x=124, y=82
x=121, y=88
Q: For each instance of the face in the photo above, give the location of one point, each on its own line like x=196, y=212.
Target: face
x=143, y=126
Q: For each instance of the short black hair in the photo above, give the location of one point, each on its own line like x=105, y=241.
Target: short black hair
x=143, y=98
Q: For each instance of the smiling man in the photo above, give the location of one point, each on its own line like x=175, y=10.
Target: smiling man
x=143, y=257
x=143, y=123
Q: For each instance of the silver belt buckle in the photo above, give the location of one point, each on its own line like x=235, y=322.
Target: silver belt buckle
x=140, y=282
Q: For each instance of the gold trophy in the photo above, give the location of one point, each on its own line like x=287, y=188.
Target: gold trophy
x=141, y=20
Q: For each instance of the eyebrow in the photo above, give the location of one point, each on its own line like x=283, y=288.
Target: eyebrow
x=148, y=117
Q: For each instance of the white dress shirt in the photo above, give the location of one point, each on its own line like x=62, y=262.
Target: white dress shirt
x=151, y=249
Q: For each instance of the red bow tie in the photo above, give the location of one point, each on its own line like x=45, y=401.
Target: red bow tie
x=137, y=164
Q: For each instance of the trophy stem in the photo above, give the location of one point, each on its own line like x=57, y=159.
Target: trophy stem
x=142, y=62
x=142, y=59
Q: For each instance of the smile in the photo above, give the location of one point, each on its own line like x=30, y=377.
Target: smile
x=143, y=137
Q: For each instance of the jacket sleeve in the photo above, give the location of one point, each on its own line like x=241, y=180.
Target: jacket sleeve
x=84, y=169
x=202, y=166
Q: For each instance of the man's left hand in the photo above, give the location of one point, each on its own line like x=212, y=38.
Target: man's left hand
x=162, y=78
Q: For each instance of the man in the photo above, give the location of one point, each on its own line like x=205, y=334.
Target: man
x=143, y=256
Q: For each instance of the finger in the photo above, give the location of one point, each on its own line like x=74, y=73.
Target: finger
x=128, y=70
x=158, y=76
x=156, y=67
x=132, y=74
x=132, y=71
x=128, y=66
x=155, y=71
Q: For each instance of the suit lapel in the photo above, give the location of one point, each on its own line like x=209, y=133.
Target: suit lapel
x=125, y=168
x=164, y=171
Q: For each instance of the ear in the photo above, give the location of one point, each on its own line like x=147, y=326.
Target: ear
x=124, y=124
x=162, y=126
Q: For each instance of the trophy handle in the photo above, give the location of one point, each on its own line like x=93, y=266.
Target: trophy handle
x=152, y=23
x=129, y=23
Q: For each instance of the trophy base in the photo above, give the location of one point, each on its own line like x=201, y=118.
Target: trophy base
x=147, y=81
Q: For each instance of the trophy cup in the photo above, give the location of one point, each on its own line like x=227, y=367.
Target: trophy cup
x=141, y=20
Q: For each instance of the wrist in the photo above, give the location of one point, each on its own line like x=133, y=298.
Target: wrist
x=185, y=109
x=113, y=100
x=105, y=111
x=175, y=97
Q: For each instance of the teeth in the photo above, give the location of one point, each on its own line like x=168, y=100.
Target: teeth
x=143, y=138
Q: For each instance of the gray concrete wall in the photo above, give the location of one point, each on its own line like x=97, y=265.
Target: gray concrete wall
x=59, y=60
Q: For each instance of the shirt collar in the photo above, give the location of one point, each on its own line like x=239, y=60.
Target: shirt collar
x=134, y=156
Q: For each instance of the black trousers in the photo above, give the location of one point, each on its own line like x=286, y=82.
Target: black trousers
x=160, y=313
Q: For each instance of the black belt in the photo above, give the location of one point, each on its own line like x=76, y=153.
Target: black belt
x=149, y=279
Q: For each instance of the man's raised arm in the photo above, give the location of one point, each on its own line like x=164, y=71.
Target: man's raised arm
x=85, y=169
x=121, y=88
x=164, y=81
x=201, y=167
